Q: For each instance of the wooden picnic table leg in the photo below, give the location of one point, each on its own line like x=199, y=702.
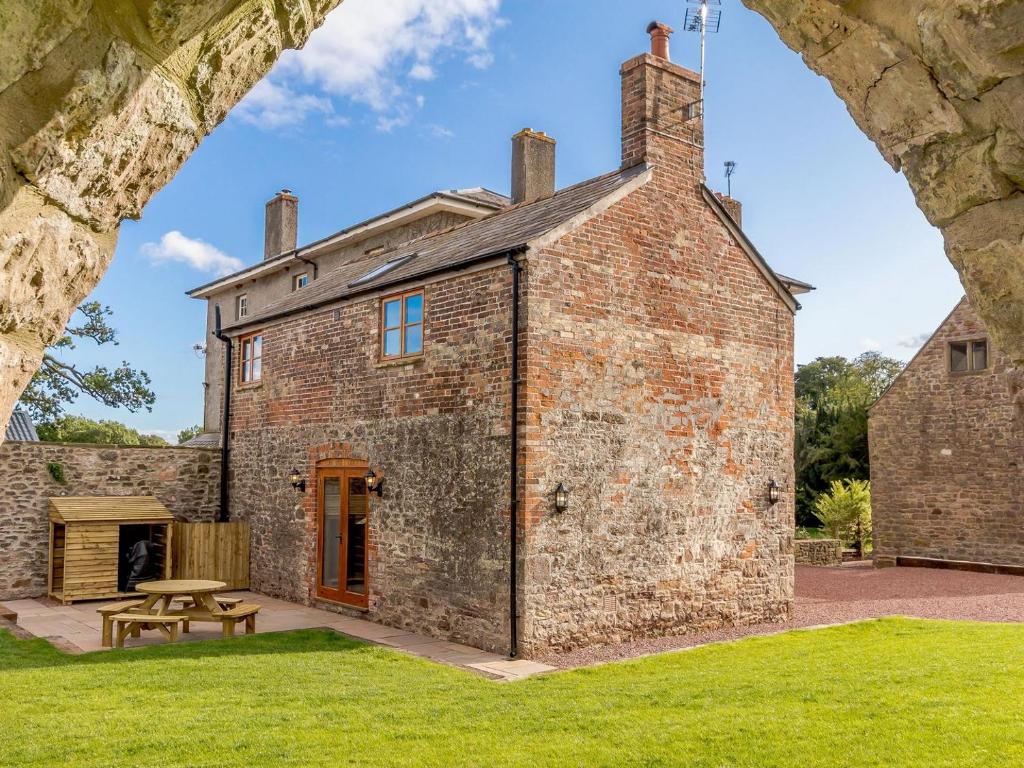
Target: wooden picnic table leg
x=250, y=624
x=122, y=632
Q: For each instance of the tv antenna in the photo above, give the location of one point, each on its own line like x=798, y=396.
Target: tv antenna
x=730, y=169
x=703, y=19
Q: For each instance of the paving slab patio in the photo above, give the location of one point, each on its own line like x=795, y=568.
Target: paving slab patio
x=78, y=626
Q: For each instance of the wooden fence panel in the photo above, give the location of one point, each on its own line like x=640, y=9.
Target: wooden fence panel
x=218, y=551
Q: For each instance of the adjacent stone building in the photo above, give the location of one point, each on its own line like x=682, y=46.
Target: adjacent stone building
x=947, y=454
x=545, y=421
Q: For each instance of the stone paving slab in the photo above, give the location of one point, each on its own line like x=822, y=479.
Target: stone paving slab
x=77, y=628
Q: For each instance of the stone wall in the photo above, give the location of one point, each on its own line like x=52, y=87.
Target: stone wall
x=185, y=480
x=818, y=552
x=435, y=427
x=660, y=392
x=947, y=457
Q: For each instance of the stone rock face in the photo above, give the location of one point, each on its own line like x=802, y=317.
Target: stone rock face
x=938, y=85
x=100, y=104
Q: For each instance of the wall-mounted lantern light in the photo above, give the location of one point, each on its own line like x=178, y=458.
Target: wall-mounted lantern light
x=375, y=484
x=297, y=481
x=773, y=491
x=561, y=498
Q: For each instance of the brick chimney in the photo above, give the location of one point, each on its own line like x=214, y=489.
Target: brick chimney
x=661, y=122
x=280, y=234
x=533, y=166
x=733, y=206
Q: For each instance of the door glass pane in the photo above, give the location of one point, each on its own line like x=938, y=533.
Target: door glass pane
x=332, y=532
x=958, y=356
x=355, y=575
x=413, y=339
x=392, y=342
x=980, y=356
x=414, y=308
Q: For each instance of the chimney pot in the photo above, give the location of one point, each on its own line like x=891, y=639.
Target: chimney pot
x=660, y=34
x=533, y=166
x=280, y=233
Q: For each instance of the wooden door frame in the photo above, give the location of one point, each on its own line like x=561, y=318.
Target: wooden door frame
x=341, y=469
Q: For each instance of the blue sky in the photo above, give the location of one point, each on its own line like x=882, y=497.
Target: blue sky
x=392, y=100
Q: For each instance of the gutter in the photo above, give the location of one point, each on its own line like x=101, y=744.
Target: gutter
x=224, y=513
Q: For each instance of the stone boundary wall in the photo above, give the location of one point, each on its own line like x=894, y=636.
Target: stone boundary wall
x=185, y=480
x=818, y=551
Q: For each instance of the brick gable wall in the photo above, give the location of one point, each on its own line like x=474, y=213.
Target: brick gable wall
x=947, y=458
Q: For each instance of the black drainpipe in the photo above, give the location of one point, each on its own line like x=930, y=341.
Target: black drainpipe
x=224, y=515
x=513, y=515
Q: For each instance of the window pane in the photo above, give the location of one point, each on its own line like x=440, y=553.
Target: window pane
x=413, y=339
x=980, y=356
x=414, y=308
x=392, y=314
x=958, y=356
x=257, y=369
x=392, y=343
x=247, y=371
x=355, y=542
x=257, y=346
x=332, y=532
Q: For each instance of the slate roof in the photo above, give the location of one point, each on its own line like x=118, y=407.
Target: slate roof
x=21, y=427
x=500, y=232
x=203, y=440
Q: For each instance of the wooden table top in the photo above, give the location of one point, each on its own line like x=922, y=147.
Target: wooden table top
x=180, y=587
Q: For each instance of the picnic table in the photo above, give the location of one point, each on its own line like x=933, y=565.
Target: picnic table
x=156, y=611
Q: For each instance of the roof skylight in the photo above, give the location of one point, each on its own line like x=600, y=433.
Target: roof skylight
x=383, y=269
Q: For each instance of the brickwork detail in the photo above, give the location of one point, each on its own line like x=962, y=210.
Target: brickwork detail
x=947, y=457
x=185, y=480
x=818, y=552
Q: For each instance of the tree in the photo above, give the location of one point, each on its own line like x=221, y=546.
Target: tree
x=833, y=395
x=188, y=433
x=58, y=382
x=845, y=511
x=78, y=429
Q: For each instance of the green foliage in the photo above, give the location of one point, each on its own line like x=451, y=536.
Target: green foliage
x=78, y=429
x=188, y=433
x=56, y=470
x=845, y=511
x=917, y=693
x=58, y=382
x=833, y=395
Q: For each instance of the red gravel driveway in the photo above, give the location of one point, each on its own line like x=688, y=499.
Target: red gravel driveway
x=852, y=592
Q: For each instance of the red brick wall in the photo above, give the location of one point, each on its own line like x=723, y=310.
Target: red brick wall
x=437, y=429
x=659, y=389
x=947, y=458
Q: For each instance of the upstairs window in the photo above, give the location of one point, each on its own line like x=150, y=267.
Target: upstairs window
x=241, y=306
x=252, y=358
x=402, y=325
x=300, y=281
x=968, y=356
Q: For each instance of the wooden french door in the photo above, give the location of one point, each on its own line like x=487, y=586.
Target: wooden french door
x=343, y=516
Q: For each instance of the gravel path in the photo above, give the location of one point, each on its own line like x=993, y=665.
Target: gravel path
x=852, y=592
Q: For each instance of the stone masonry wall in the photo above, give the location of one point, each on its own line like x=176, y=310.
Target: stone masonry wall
x=436, y=428
x=185, y=480
x=947, y=457
x=818, y=552
x=660, y=392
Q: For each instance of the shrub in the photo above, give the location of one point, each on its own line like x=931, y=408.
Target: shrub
x=846, y=504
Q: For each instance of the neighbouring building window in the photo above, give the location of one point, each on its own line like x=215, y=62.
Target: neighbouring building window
x=252, y=358
x=241, y=306
x=967, y=356
x=402, y=325
x=300, y=281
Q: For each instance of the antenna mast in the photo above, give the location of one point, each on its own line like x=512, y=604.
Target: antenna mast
x=703, y=19
x=730, y=169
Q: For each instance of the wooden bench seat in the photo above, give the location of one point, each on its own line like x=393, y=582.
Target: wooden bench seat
x=108, y=612
x=229, y=619
x=223, y=601
x=130, y=623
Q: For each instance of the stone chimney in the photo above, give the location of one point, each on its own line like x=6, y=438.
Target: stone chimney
x=533, y=166
x=661, y=114
x=734, y=207
x=280, y=233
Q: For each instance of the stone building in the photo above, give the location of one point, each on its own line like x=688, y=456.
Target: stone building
x=947, y=455
x=604, y=370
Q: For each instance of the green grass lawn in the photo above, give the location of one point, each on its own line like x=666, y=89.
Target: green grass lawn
x=888, y=692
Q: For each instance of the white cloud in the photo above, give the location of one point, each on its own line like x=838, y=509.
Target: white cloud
x=369, y=51
x=914, y=342
x=175, y=246
x=440, y=132
x=867, y=344
x=273, y=105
